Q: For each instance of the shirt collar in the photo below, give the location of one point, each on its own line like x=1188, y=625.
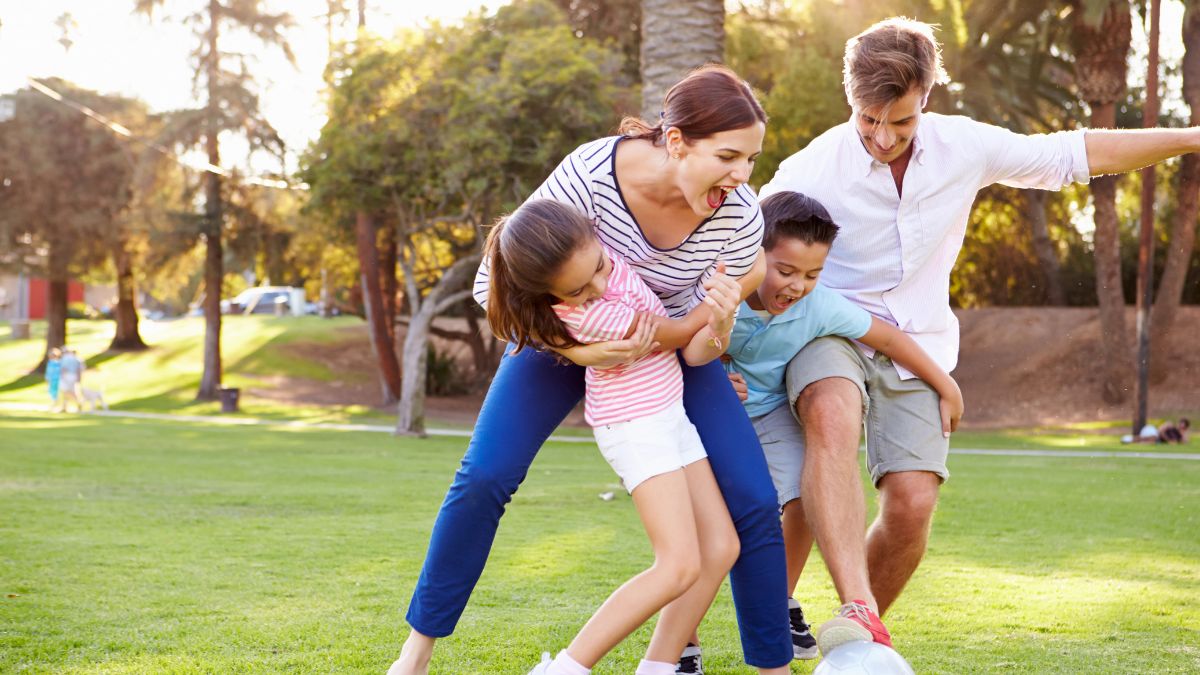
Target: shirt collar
x=863, y=159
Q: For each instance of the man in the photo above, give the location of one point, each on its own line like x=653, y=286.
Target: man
x=900, y=184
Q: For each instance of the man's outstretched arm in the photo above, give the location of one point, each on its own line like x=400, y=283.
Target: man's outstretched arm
x=1121, y=150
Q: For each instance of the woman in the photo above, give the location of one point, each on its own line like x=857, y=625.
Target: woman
x=671, y=199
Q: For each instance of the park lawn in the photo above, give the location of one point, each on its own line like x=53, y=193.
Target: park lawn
x=137, y=546
x=165, y=378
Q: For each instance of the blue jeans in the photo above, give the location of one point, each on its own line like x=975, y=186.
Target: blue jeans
x=531, y=393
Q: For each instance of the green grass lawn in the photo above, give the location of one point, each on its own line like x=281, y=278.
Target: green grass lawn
x=154, y=547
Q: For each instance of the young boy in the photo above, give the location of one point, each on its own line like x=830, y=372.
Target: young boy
x=789, y=310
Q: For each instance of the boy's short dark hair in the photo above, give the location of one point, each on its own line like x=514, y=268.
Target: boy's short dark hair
x=796, y=216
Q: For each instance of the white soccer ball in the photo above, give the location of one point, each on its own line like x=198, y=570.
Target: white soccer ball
x=863, y=658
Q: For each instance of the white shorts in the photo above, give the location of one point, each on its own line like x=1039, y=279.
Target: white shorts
x=650, y=446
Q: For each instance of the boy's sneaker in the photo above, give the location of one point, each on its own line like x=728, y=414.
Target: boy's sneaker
x=854, y=621
x=543, y=667
x=690, y=662
x=804, y=647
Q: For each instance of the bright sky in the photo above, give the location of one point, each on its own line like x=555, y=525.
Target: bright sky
x=116, y=51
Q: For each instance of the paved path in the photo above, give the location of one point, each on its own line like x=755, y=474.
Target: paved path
x=463, y=433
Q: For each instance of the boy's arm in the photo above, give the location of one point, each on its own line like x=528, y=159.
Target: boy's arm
x=893, y=342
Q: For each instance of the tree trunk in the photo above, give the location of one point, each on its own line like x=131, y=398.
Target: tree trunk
x=387, y=279
x=411, y=419
x=127, y=337
x=677, y=37
x=1183, y=226
x=1101, y=53
x=56, y=302
x=1118, y=361
x=1043, y=247
x=485, y=352
x=381, y=340
x=214, y=263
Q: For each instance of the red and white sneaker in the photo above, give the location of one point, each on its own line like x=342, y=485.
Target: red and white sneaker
x=854, y=621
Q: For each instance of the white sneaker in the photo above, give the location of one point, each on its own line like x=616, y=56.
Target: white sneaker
x=543, y=667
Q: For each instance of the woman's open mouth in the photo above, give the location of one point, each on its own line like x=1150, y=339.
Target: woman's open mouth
x=716, y=196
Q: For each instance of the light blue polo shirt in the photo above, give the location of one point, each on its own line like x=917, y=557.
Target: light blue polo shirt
x=761, y=350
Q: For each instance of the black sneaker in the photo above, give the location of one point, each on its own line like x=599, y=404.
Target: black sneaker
x=690, y=662
x=804, y=646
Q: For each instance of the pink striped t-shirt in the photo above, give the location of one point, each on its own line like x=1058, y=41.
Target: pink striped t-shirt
x=630, y=391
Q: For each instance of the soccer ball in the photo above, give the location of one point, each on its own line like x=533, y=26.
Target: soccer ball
x=863, y=658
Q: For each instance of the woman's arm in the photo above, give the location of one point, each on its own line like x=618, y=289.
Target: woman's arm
x=886, y=338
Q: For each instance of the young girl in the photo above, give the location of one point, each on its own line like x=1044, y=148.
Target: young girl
x=53, y=374
x=553, y=284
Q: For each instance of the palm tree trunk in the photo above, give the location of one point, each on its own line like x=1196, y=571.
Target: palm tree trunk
x=214, y=264
x=1183, y=225
x=677, y=37
x=1101, y=51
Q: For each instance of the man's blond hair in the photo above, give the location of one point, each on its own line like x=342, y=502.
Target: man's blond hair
x=886, y=61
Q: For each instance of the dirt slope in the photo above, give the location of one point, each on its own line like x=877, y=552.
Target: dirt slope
x=1021, y=366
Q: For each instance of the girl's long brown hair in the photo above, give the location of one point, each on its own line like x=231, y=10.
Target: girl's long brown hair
x=525, y=250
x=711, y=99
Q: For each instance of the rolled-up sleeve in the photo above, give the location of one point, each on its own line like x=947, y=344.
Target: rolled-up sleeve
x=1041, y=161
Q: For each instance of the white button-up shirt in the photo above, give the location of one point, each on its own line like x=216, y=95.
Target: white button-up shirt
x=893, y=254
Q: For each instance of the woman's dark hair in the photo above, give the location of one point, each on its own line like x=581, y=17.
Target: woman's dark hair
x=711, y=99
x=796, y=216
x=525, y=250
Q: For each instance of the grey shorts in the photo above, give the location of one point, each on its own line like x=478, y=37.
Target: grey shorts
x=782, y=440
x=902, y=418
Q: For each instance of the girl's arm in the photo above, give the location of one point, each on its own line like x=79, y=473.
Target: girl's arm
x=722, y=300
x=899, y=347
x=678, y=333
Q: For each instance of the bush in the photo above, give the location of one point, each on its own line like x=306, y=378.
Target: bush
x=79, y=310
x=444, y=376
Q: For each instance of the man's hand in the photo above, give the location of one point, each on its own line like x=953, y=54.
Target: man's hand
x=739, y=386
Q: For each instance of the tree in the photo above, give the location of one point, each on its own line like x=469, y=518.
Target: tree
x=229, y=105
x=677, y=37
x=1183, y=223
x=1101, y=38
x=439, y=131
x=66, y=181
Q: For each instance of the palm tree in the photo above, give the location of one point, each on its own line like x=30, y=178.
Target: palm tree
x=230, y=105
x=1183, y=225
x=1102, y=32
x=677, y=36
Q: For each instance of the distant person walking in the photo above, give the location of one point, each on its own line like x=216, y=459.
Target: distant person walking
x=71, y=371
x=53, y=375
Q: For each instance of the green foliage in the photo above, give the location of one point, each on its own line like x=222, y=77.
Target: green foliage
x=65, y=180
x=438, y=131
